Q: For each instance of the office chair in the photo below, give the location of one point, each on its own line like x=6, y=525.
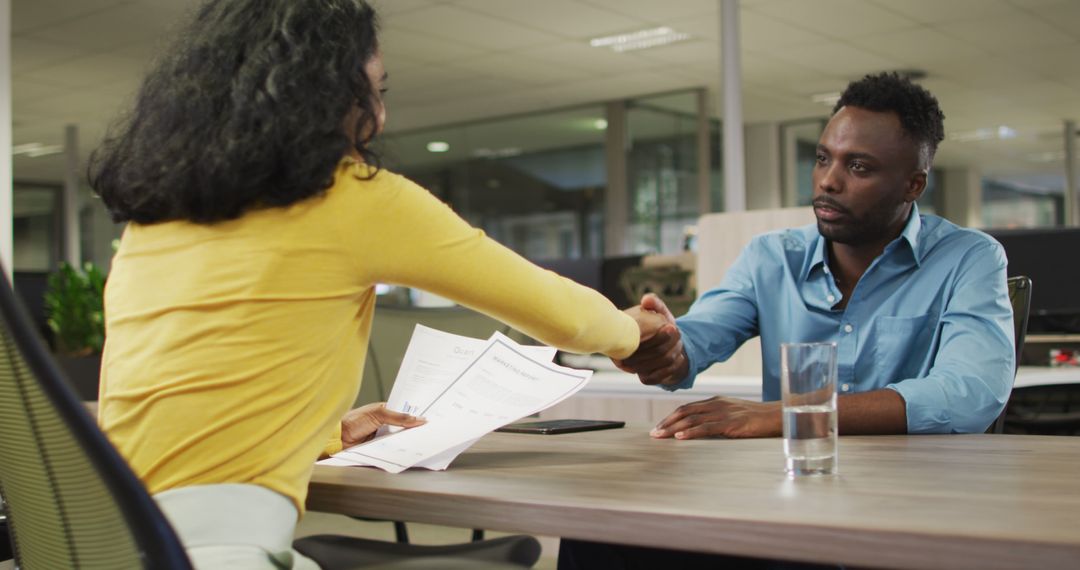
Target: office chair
x=1020, y=298
x=71, y=500
x=1040, y=410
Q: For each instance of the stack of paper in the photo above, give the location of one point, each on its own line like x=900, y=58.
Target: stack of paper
x=465, y=388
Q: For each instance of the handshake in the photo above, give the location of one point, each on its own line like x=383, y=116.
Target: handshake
x=660, y=358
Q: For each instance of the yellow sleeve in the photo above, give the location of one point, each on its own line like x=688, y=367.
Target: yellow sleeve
x=403, y=235
x=333, y=445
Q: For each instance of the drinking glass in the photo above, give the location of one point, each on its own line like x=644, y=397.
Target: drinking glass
x=808, y=387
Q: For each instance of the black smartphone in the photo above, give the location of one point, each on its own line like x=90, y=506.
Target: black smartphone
x=552, y=427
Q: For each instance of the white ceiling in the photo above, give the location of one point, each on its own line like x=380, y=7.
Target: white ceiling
x=990, y=62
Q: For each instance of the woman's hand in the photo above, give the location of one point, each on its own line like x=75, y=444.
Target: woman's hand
x=360, y=424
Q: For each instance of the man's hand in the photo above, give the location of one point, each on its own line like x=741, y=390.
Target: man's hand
x=360, y=424
x=722, y=417
x=660, y=358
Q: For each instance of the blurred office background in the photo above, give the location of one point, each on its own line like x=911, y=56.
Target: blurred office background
x=588, y=129
x=589, y=135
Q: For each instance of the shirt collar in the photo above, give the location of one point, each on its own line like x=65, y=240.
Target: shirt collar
x=910, y=234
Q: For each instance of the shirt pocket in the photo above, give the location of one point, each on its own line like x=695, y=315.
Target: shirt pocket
x=901, y=345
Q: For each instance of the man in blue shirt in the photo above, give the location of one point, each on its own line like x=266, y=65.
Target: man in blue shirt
x=917, y=306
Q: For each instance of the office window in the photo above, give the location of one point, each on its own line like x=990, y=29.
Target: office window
x=663, y=171
x=35, y=227
x=1023, y=201
x=799, y=140
x=535, y=183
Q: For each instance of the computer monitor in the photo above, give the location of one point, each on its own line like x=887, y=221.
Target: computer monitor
x=1051, y=258
x=600, y=274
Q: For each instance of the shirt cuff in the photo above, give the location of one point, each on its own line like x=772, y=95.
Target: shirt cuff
x=922, y=400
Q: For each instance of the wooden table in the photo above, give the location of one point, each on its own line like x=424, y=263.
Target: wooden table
x=950, y=501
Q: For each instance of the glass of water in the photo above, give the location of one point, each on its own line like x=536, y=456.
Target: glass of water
x=808, y=385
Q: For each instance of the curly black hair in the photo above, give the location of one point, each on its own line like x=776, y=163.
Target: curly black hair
x=918, y=110
x=247, y=110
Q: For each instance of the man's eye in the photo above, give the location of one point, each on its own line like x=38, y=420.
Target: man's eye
x=858, y=167
x=820, y=158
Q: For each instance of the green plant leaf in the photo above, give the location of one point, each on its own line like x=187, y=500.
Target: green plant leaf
x=74, y=309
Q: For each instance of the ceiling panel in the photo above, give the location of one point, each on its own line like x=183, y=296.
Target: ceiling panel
x=93, y=70
x=836, y=58
x=982, y=72
x=389, y=8
x=657, y=13
x=579, y=55
x=471, y=29
x=29, y=15
x=1060, y=62
x=916, y=46
x=837, y=18
x=551, y=16
x=107, y=29
x=523, y=69
x=1003, y=34
x=684, y=53
x=765, y=34
x=989, y=61
x=421, y=47
x=28, y=54
x=945, y=12
x=1062, y=14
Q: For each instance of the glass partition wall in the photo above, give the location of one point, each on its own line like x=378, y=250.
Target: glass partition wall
x=535, y=183
x=663, y=164
x=538, y=183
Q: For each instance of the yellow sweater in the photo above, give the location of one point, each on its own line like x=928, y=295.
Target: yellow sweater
x=234, y=349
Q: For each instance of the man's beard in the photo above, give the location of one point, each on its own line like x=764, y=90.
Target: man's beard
x=873, y=227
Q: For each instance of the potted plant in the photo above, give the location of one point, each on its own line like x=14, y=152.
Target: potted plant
x=75, y=315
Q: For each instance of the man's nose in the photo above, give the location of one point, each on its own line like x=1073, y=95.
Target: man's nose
x=828, y=179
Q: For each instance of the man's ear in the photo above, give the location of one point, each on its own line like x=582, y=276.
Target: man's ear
x=916, y=185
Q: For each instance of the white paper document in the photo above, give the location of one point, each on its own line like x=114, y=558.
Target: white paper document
x=465, y=388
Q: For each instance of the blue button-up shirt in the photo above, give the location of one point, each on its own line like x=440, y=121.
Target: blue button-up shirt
x=930, y=318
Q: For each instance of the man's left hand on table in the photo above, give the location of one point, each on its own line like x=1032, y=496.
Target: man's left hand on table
x=721, y=416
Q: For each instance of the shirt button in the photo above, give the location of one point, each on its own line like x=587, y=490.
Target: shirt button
x=830, y=298
x=848, y=328
x=845, y=387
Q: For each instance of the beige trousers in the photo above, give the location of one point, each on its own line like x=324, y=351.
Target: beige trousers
x=237, y=526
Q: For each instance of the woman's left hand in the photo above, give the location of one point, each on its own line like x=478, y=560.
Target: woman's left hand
x=360, y=424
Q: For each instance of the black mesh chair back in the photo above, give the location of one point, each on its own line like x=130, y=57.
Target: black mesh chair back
x=71, y=500
x=1020, y=298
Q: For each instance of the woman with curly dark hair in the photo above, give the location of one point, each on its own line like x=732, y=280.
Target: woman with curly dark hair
x=240, y=301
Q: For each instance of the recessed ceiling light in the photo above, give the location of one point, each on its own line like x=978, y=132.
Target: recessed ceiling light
x=641, y=39
x=35, y=150
x=600, y=124
x=438, y=146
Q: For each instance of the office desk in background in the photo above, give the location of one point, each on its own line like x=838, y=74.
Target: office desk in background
x=971, y=501
x=616, y=395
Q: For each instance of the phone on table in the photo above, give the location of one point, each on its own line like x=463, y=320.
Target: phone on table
x=552, y=427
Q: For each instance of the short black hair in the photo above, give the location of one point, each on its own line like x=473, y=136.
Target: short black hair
x=918, y=110
x=246, y=110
